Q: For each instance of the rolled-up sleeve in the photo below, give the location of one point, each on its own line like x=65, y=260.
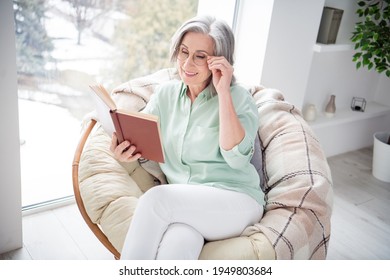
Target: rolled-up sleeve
x=246, y=110
x=240, y=154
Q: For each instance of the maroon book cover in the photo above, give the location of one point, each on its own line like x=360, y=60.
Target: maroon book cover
x=142, y=131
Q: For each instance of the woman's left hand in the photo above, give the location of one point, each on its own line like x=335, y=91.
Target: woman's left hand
x=222, y=72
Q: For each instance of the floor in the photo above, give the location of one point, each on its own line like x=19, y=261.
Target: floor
x=360, y=221
x=361, y=217
x=58, y=234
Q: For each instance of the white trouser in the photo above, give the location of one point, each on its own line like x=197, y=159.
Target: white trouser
x=171, y=221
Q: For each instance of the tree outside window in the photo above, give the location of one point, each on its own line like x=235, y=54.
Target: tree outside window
x=62, y=47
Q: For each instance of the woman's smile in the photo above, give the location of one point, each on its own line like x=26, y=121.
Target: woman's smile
x=189, y=74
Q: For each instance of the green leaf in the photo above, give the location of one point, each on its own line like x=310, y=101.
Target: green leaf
x=357, y=45
x=371, y=36
x=367, y=55
x=361, y=3
x=377, y=52
x=357, y=55
x=380, y=69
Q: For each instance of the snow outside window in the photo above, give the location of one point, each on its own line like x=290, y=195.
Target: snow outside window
x=63, y=46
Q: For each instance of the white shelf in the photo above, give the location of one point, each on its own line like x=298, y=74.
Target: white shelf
x=346, y=115
x=321, y=48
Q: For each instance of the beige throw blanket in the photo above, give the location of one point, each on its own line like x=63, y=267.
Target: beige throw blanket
x=297, y=181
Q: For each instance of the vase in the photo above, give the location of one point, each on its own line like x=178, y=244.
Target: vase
x=310, y=113
x=381, y=156
x=330, y=108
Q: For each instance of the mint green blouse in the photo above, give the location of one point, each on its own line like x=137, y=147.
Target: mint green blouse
x=190, y=139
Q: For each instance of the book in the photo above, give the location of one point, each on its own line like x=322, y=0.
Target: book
x=329, y=26
x=140, y=129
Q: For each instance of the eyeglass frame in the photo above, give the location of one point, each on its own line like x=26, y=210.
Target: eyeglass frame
x=181, y=48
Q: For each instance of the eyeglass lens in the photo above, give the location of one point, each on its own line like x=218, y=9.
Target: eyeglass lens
x=199, y=57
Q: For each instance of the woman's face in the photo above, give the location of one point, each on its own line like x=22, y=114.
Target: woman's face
x=192, y=60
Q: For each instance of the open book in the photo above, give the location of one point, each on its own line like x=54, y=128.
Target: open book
x=140, y=129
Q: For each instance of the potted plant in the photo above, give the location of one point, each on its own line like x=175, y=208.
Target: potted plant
x=372, y=36
x=372, y=50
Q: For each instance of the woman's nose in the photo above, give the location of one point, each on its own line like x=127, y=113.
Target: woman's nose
x=189, y=60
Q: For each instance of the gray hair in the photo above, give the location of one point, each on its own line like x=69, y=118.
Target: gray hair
x=220, y=32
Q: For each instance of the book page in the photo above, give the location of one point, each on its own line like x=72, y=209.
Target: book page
x=104, y=95
x=103, y=114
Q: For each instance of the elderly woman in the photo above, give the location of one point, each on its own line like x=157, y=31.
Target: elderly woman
x=208, y=126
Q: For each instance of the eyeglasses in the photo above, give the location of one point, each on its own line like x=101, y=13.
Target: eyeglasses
x=199, y=57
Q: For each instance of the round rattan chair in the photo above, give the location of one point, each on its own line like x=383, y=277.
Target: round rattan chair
x=79, y=201
x=299, y=196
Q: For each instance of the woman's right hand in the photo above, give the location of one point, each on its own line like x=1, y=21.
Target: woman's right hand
x=123, y=151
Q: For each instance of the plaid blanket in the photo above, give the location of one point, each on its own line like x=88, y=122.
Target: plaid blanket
x=297, y=181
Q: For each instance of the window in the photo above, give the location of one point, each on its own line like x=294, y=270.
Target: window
x=64, y=45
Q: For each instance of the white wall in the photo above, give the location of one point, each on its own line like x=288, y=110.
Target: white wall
x=334, y=72
x=293, y=32
x=276, y=46
x=382, y=94
x=10, y=183
x=275, y=41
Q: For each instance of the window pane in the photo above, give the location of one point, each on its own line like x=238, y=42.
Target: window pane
x=62, y=47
